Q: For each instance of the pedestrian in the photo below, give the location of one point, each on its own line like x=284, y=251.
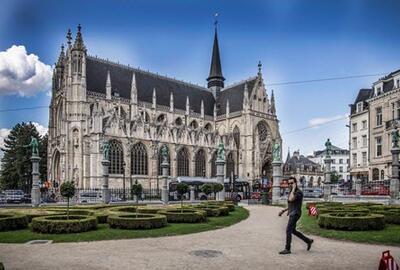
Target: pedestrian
x=295, y=200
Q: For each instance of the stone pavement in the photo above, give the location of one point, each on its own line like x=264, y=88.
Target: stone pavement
x=250, y=244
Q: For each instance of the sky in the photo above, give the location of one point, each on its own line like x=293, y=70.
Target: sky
x=295, y=41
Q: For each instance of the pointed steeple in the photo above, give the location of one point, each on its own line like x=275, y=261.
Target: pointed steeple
x=202, y=109
x=171, y=102
x=246, y=97
x=187, y=105
x=154, y=98
x=215, y=78
x=69, y=38
x=79, y=45
x=133, y=89
x=61, y=57
x=288, y=155
x=272, y=110
x=227, y=108
x=215, y=112
x=108, y=86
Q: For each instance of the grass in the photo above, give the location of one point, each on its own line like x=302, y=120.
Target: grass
x=389, y=236
x=103, y=232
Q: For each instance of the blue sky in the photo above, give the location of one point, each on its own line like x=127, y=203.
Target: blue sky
x=295, y=40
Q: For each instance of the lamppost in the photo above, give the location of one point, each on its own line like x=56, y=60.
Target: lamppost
x=123, y=180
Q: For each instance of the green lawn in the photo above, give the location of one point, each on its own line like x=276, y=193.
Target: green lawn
x=389, y=236
x=105, y=233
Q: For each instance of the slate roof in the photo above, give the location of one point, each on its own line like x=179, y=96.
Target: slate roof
x=335, y=150
x=121, y=80
x=296, y=161
x=235, y=94
x=363, y=95
x=215, y=67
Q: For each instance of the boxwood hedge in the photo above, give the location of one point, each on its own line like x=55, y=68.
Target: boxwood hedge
x=11, y=221
x=137, y=221
x=228, y=204
x=184, y=215
x=60, y=224
x=149, y=210
x=351, y=221
x=392, y=216
x=124, y=209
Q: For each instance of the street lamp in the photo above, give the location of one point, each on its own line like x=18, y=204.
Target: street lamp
x=123, y=180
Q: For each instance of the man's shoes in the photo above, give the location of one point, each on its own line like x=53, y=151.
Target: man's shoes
x=309, y=244
x=285, y=251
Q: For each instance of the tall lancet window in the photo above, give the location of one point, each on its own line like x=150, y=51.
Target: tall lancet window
x=139, y=164
x=116, y=157
x=183, y=162
x=200, y=160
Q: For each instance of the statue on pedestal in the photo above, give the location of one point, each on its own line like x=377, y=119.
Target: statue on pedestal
x=106, y=150
x=395, y=138
x=328, y=150
x=34, y=146
x=164, y=153
x=276, y=152
x=221, y=152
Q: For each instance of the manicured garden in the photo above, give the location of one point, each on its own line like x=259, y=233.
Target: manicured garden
x=105, y=222
x=359, y=222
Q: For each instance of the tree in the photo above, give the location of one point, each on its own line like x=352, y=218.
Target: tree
x=334, y=177
x=67, y=190
x=43, y=158
x=136, y=190
x=16, y=163
x=182, y=189
x=207, y=189
x=217, y=187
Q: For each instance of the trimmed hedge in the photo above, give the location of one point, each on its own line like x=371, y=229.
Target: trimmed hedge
x=32, y=213
x=322, y=210
x=149, y=210
x=228, y=204
x=124, y=209
x=184, y=215
x=351, y=221
x=324, y=204
x=392, y=216
x=60, y=224
x=11, y=221
x=210, y=211
x=137, y=221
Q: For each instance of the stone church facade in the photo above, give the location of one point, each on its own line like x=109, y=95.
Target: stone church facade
x=138, y=112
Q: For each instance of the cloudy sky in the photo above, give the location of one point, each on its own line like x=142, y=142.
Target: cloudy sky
x=295, y=40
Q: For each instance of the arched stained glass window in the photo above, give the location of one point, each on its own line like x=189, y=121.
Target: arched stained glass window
x=116, y=157
x=183, y=162
x=262, y=131
x=200, y=160
x=139, y=164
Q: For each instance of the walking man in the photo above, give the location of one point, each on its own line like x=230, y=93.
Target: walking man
x=295, y=201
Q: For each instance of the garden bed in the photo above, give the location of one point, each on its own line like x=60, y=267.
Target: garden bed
x=137, y=221
x=184, y=215
x=64, y=224
x=13, y=221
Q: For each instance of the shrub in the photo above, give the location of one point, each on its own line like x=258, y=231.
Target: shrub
x=392, y=216
x=12, y=221
x=210, y=211
x=67, y=190
x=184, y=215
x=351, y=221
x=126, y=209
x=149, y=210
x=228, y=204
x=64, y=224
x=32, y=213
x=137, y=221
x=136, y=190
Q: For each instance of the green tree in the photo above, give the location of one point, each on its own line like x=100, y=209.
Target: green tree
x=67, y=190
x=334, y=177
x=136, y=190
x=16, y=163
x=207, y=189
x=182, y=189
x=43, y=158
x=217, y=187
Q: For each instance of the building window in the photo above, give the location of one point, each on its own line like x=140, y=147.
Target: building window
x=214, y=165
x=354, y=159
x=364, y=141
x=116, y=157
x=230, y=165
x=364, y=124
x=379, y=116
x=382, y=174
x=262, y=131
x=333, y=168
x=378, y=146
x=354, y=127
x=364, y=158
x=341, y=169
x=398, y=83
x=200, y=169
x=160, y=160
x=139, y=162
x=341, y=161
x=183, y=162
x=375, y=174
x=354, y=143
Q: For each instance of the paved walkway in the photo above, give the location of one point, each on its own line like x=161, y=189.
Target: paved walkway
x=251, y=244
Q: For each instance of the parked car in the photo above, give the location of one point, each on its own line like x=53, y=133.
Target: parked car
x=14, y=196
x=89, y=196
x=313, y=193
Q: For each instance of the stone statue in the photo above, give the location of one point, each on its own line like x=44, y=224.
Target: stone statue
x=328, y=146
x=276, y=152
x=34, y=146
x=395, y=138
x=106, y=150
x=221, y=152
x=164, y=153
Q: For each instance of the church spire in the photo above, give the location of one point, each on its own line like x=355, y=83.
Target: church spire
x=78, y=45
x=215, y=78
x=61, y=57
x=273, y=109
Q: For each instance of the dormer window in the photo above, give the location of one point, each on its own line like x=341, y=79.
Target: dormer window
x=378, y=91
x=359, y=107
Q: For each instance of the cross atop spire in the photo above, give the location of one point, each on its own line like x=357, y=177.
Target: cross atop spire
x=215, y=78
x=259, y=68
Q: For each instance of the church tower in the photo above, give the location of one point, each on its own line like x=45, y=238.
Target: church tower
x=215, y=79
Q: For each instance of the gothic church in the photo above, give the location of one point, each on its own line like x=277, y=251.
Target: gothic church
x=139, y=111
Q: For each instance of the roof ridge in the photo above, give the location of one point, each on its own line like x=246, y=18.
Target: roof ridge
x=240, y=82
x=107, y=61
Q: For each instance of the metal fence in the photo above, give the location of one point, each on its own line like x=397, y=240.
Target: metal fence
x=381, y=187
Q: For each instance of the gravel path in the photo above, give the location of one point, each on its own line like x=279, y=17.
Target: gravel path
x=250, y=244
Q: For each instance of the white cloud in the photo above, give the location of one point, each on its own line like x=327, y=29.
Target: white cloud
x=314, y=122
x=41, y=129
x=22, y=74
x=3, y=134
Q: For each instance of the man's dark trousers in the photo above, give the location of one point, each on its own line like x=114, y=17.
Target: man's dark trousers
x=291, y=229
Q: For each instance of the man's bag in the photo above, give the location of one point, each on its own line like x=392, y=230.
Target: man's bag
x=388, y=262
